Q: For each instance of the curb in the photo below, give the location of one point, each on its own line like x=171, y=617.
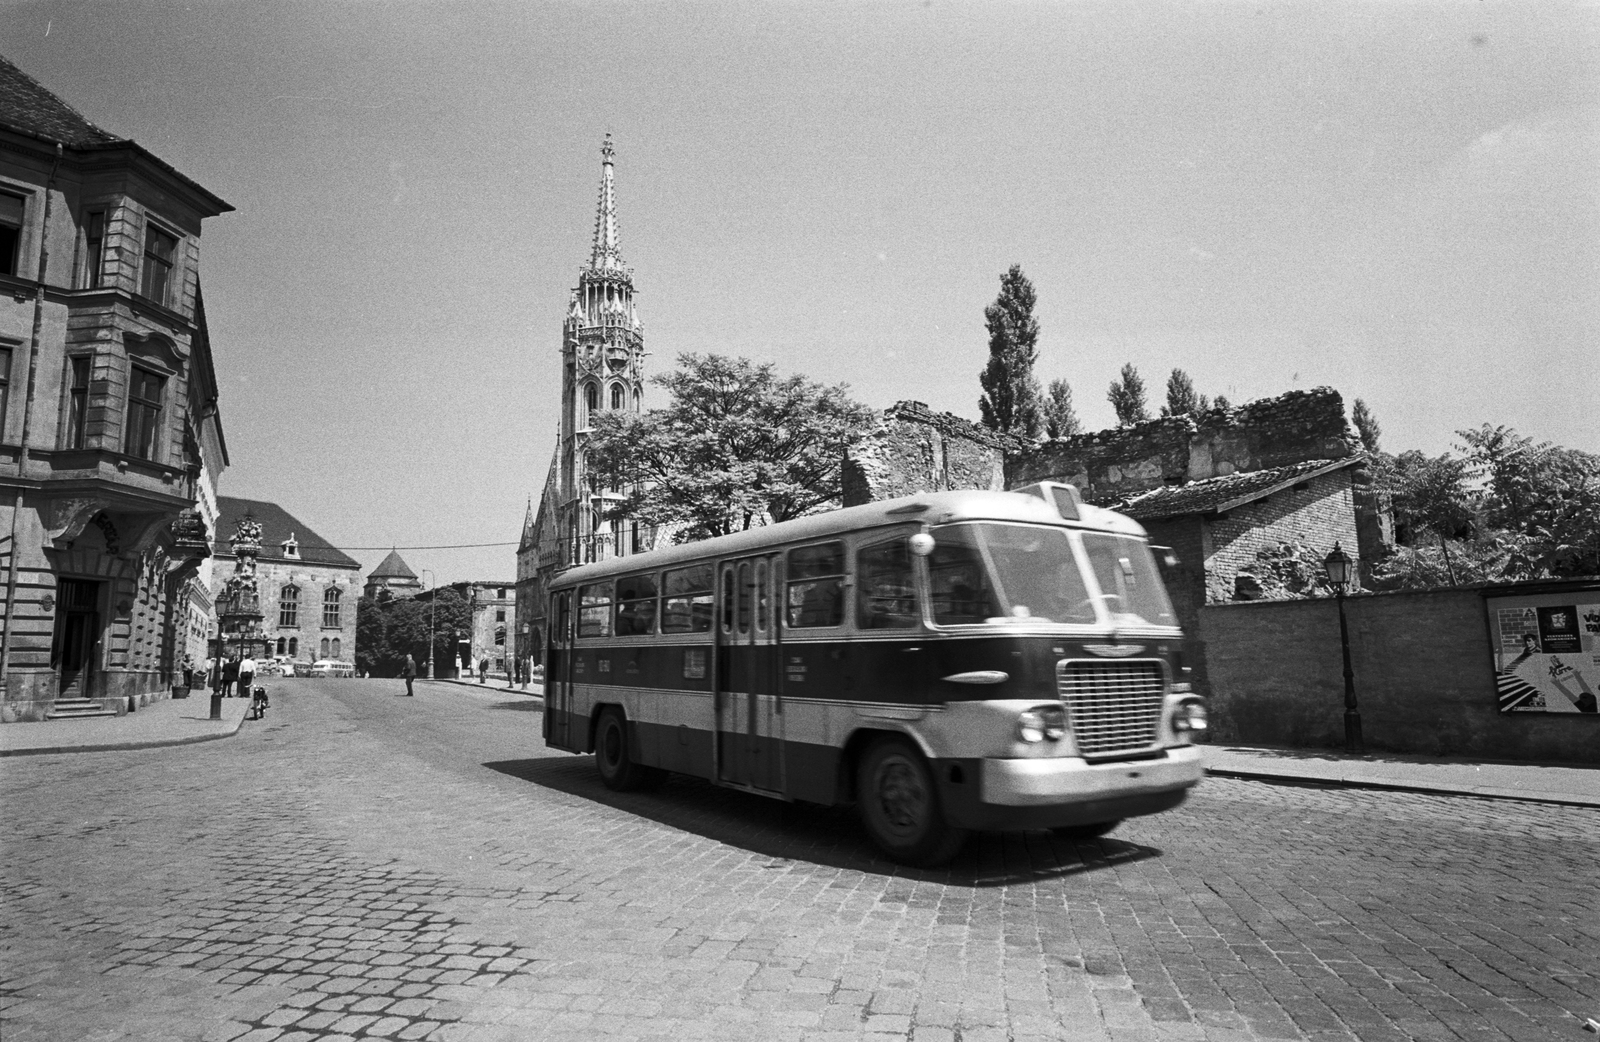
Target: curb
x=1482, y=792
x=152, y=743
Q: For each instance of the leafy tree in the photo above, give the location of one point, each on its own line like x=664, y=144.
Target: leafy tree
x=1127, y=397
x=389, y=629
x=738, y=446
x=1181, y=398
x=1546, y=499
x=1221, y=402
x=1060, y=419
x=1366, y=425
x=1010, y=399
x=1429, y=498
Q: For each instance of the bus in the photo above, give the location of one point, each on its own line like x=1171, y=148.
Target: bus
x=948, y=662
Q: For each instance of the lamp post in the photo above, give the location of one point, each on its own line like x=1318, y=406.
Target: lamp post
x=1340, y=570
x=431, y=602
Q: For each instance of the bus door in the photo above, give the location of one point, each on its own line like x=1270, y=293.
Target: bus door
x=558, y=673
x=749, y=720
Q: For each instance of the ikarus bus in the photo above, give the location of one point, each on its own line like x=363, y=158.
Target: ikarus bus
x=949, y=662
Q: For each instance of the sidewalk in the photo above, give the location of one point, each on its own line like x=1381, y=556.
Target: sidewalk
x=171, y=721
x=1542, y=783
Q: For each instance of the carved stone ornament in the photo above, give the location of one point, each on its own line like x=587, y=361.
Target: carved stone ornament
x=70, y=516
x=109, y=531
x=190, y=539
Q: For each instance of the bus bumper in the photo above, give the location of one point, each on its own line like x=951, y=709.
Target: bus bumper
x=1056, y=792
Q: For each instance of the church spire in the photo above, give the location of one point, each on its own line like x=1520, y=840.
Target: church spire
x=607, y=249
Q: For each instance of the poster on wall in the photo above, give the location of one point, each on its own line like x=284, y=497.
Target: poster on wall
x=1547, y=651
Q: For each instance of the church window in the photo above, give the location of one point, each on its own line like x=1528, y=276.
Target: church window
x=330, y=608
x=591, y=400
x=283, y=646
x=289, y=606
x=616, y=396
x=338, y=647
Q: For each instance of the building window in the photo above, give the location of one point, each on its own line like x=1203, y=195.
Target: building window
x=330, y=608
x=10, y=232
x=616, y=396
x=5, y=386
x=159, y=249
x=325, y=648
x=294, y=647
x=500, y=615
x=337, y=647
x=78, y=402
x=144, y=413
x=282, y=645
x=94, y=243
x=289, y=606
x=591, y=402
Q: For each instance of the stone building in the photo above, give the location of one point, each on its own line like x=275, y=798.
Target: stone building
x=110, y=437
x=392, y=578
x=309, y=589
x=602, y=369
x=917, y=450
x=492, y=634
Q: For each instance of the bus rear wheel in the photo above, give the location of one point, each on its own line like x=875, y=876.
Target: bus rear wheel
x=617, y=767
x=899, y=805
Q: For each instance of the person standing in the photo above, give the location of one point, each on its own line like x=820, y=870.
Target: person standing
x=409, y=671
x=247, y=674
x=230, y=676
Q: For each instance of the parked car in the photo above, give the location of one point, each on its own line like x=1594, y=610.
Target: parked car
x=327, y=667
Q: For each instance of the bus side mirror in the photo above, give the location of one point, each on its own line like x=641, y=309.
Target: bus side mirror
x=920, y=544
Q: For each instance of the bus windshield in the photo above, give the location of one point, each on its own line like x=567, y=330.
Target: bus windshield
x=1129, y=583
x=985, y=572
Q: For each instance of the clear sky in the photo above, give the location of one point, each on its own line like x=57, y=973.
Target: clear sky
x=1400, y=200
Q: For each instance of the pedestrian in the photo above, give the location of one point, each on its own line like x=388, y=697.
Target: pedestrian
x=483, y=671
x=247, y=674
x=230, y=676
x=409, y=671
x=188, y=672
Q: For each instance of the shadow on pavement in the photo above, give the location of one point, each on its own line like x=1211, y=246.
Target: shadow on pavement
x=523, y=706
x=828, y=836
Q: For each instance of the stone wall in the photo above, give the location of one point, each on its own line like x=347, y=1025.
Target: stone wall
x=1424, y=679
x=917, y=450
x=1316, y=513
x=1111, y=465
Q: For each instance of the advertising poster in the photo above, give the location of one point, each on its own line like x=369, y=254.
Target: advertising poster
x=1547, y=652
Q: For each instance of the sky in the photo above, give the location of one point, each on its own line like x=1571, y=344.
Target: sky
x=1398, y=200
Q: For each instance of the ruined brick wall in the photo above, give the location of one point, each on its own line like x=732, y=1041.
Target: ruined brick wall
x=1315, y=515
x=1424, y=679
x=917, y=450
x=1114, y=464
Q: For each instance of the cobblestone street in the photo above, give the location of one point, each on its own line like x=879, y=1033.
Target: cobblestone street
x=365, y=865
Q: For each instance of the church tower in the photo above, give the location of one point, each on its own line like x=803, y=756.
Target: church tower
x=602, y=367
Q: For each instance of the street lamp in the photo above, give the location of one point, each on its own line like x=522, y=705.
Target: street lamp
x=431, y=602
x=1341, y=571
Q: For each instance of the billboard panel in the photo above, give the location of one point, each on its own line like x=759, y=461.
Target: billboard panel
x=1546, y=651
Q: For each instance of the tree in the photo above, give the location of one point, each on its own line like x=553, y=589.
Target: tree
x=1221, y=402
x=1366, y=425
x=1546, y=498
x=1127, y=397
x=1181, y=399
x=738, y=446
x=388, y=629
x=1010, y=399
x=1060, y=419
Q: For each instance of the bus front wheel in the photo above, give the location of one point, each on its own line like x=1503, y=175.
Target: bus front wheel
x=617, y=767
x=899, y=805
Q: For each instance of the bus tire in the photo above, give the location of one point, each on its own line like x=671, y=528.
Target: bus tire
x=899, y=804
x=1086, y=832
x=618, y=770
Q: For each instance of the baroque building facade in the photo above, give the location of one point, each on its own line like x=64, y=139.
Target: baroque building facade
x=308, y=589
x=110, y=436
x=602, y=369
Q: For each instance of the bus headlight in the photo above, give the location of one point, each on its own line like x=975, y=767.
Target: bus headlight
x=1189, y=718
x=1042, y=723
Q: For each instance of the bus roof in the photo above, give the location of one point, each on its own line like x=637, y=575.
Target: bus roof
x=934, y=508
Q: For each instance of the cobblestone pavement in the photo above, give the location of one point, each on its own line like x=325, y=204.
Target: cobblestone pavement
x=360, y=865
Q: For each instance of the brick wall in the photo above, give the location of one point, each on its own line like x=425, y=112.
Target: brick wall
x=1424, y=679
x=1316, y=515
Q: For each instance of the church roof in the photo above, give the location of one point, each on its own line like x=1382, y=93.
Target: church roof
x=607, y=253
x=277, y=525
x=392, y=567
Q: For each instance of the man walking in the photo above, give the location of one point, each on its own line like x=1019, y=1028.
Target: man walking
x=247, y=674
x=409, y=671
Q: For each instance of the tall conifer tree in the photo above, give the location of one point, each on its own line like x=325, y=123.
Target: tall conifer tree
x=1126, y=396
x=1011, y=398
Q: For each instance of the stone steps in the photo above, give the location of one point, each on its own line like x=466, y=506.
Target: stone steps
x=77, y=709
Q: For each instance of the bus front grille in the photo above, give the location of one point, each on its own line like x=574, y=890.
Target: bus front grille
x=1114, y=707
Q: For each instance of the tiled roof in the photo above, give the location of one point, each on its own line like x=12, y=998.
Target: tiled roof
x=1220, y=494
x=26, y=106
x=277, y=525
x=392, y=567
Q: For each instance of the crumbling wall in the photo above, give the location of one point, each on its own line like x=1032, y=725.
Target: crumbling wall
x=1112, y=464
x=917, y=450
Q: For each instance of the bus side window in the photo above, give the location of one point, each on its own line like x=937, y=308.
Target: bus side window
x=886, y=589
x=636, y=605
x=686, y=600
x=562, y=635
x=814, y=594
x=727, y=600
x=594, y=610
